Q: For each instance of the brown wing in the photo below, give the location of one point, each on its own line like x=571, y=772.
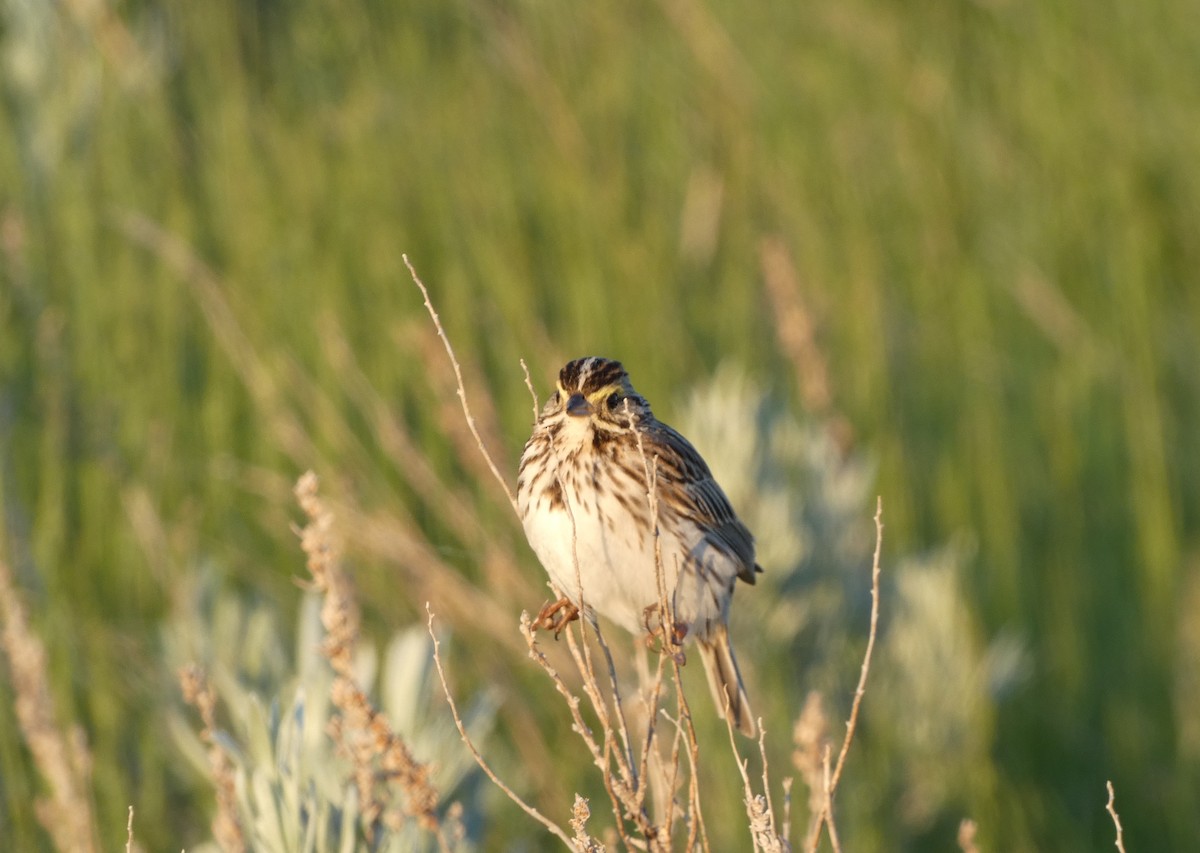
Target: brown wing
x=698, y=495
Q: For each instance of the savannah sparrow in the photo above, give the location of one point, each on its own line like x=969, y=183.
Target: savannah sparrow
x=583, y=501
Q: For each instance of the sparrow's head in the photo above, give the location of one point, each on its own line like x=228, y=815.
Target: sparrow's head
x=597, y=389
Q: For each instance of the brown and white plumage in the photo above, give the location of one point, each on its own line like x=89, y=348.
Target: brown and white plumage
x=582, y=496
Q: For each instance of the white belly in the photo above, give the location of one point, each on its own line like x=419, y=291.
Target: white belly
x=609, y=567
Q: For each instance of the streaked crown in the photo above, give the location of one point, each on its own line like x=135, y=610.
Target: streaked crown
x=591, y=375
x=598, y=387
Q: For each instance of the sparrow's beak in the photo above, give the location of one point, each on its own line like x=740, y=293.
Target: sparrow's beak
x=578, y=407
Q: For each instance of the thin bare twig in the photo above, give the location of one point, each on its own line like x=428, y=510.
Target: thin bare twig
x=696, y=828
x=1112, y=810
x=622, y=799
x=826, y=815
x=462, y=392
x=553, y=827
x=625, y=787
x=759, y=810
x=533, y=394
x=672, y=650
x=619, y=711
x=866, y=664
x=622, y=792
x=651, y=711
x=828, y=811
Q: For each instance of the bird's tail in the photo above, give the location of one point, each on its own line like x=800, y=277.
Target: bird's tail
x=725, y=680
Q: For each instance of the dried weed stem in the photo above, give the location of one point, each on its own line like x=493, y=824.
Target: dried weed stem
x=1112, y=810
x=831, y=778
x=579, y=818
x=198, y=692
x=760, y=811
x=361, y=732
x=462, y=391
x=63, y=759
x=554, y=828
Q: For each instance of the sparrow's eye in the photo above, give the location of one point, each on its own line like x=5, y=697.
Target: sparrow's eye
x=613, y=399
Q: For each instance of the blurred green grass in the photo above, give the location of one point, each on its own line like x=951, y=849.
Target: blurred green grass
x=992, y=208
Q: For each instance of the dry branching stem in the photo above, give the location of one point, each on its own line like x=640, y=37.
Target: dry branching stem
x=866, y=664
x=761, y=813
x=554, y=828
x=584, y=843
x=826, y=815
x=671, y=648
x=1112, y=810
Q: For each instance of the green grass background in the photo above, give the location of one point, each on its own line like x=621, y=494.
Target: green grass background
x=994, y=212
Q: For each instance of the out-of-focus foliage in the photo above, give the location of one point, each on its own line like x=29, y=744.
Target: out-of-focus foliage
x=294, y=791
x=924, y=755
x=989, y=210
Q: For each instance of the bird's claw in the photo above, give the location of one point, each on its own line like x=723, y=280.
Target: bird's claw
x=556, y=616
x=672, y=644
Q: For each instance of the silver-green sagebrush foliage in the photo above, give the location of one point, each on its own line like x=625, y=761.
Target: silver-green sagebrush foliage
x=294, y=791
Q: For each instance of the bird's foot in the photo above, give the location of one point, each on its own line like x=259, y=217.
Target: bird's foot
x=671, y=642
x=556, y=616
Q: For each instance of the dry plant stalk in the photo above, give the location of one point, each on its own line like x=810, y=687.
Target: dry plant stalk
x=361, y=732
x=198, y=692
x=63, y=759
x=1112, y=810
x=554, y=828
x=624, y=780
x=462, y=393
x=579, y=818
x=764, y=833
x=671, y=652
x=834, y=775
